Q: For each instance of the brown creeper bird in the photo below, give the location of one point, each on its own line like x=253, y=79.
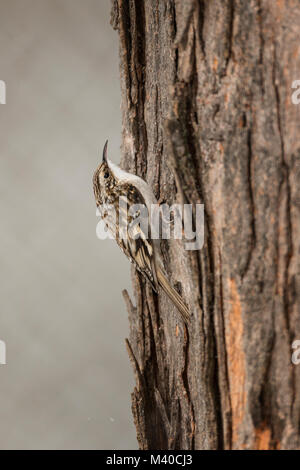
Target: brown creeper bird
x=117, y=193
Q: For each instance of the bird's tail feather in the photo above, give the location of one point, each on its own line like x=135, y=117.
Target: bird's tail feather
x=173, y=295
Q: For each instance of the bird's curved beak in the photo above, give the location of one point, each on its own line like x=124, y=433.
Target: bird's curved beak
x=104, y=157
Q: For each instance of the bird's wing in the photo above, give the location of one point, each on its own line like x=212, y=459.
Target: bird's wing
x=137, y=243
x=133, y=234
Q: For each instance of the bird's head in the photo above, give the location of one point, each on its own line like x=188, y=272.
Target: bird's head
x=104, y=181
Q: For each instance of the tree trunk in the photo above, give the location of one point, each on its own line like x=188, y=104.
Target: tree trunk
x=208, y=118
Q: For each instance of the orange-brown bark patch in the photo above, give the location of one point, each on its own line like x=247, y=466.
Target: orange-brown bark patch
x=236, y=361
x=262, y=437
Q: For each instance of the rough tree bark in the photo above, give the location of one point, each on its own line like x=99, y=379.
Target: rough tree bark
x=208, y=118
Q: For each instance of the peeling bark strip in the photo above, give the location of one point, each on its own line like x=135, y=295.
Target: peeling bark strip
x=208, y=118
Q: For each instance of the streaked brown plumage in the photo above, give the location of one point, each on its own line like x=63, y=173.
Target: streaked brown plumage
x=115, y=188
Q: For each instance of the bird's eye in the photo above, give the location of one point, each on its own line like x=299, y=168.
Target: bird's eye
x=106, y=175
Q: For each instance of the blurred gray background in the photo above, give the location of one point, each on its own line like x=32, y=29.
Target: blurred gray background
x=67, y=381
